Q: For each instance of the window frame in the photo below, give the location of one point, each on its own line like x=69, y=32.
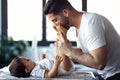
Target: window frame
x=43, y=42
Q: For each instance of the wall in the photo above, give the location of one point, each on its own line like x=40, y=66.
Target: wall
x=48, y=50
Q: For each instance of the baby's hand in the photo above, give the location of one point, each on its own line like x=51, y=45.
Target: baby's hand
x=57, y=60
x=42, y=56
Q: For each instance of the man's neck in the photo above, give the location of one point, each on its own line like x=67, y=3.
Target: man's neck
x=77, y=22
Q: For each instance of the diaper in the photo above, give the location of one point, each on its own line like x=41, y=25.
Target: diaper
x=62, y=71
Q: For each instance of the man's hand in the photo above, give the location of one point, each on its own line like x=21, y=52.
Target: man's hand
x=63, y=44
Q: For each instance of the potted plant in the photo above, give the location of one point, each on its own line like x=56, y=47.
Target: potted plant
x=13, y=49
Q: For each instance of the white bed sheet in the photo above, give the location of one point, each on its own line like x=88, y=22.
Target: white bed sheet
x=77, y=75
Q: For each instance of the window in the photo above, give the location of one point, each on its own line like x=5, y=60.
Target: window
x=107, y=8
x=25, y=19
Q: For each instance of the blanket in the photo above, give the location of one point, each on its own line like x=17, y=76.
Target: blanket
x=76, y=75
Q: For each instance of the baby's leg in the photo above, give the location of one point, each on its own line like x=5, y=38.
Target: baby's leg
x=66, y=63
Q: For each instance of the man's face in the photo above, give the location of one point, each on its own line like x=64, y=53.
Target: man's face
x=59, y=20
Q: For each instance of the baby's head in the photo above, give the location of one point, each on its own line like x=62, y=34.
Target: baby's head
x=21, y=67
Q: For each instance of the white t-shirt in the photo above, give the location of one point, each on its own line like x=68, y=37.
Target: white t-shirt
x=46, y=65
x=95, y=32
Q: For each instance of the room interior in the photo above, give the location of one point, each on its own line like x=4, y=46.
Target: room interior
x=42, y=42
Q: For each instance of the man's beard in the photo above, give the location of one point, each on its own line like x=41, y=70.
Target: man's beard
x=65, y=23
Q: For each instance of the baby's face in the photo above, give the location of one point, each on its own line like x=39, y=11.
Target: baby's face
x=28, y=63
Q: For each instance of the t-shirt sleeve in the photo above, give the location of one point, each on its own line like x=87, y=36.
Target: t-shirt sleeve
x=95, y=35
x=38, y=72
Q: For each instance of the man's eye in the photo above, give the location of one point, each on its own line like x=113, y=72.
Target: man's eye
x=54, y=20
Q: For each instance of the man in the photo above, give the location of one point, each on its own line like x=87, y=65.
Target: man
x=98, y=42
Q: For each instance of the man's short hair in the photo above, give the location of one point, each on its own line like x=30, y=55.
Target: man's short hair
x=17, y=68
x=56, y=6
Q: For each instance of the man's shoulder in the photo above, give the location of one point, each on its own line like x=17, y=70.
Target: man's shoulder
x=91, y=15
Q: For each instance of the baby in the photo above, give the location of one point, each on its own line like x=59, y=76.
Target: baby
x=23, y=67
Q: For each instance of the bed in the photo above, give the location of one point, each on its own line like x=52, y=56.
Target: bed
x=80, y=73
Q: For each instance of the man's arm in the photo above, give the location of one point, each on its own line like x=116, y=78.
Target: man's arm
x=95, y=59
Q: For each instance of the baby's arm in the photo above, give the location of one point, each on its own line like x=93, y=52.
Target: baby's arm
x=53, y=72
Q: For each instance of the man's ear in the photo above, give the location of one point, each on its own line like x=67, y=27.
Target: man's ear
x=65, y=12
x=27, y=70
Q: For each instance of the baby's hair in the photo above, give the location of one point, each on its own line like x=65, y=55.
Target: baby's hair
x=17, y=68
